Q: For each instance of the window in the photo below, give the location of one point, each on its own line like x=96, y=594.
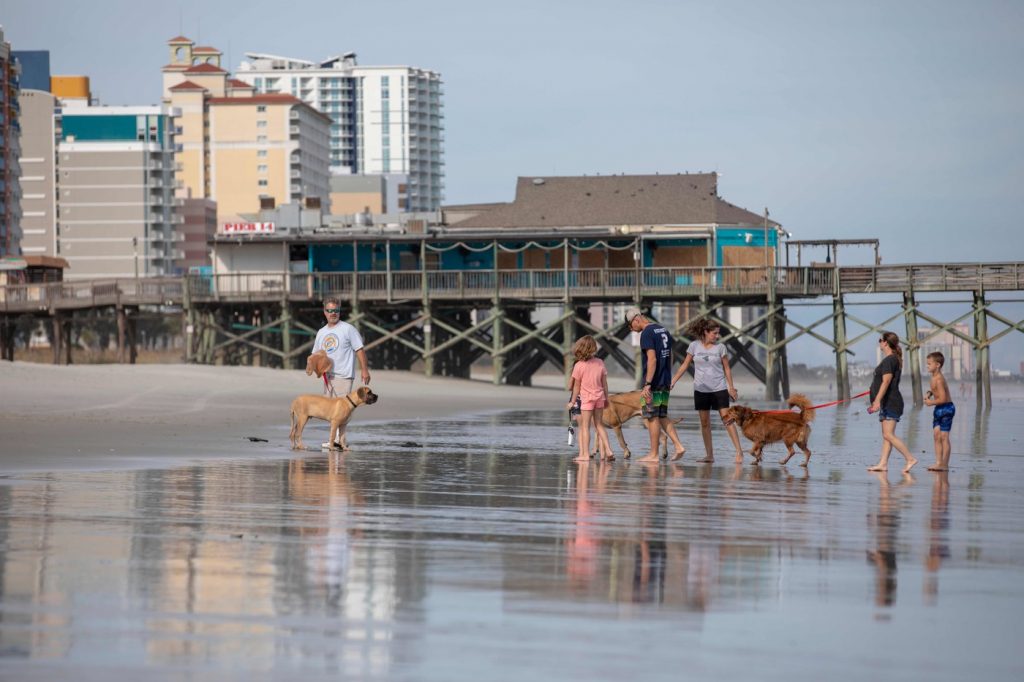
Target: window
x=261, y=108
x=261, y=124
x=261, y=139
x=262, y=153
x=262, y=182
x=262, y=168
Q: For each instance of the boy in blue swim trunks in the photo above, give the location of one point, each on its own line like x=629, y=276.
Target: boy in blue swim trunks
x=942, y=418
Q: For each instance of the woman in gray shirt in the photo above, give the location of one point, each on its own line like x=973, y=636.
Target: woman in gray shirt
x=712, y=382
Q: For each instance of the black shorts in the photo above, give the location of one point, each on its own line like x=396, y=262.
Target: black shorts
x=719, y=400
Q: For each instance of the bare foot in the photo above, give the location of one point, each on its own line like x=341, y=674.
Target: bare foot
x=910, y=465
x=878, y=467
x=679, y=455
x=706, y=460
x=739, y=457
x=938, y=467
x=609, y=458
x=651, y=459
x=582, y=459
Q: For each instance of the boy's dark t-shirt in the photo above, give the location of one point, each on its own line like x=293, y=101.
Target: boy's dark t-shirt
x=654, y=336
x=892, y=401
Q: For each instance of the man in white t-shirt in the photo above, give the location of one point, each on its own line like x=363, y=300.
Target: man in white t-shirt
x=343, y=344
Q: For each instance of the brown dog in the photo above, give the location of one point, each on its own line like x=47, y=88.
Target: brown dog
x=771, y=427
x=318, y=363
x=620, y=409
x=337, y=411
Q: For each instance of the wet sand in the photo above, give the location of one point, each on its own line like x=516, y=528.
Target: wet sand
x=97, y=416
x=457, y=547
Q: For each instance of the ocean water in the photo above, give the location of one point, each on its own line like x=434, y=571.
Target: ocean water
x=474, y=549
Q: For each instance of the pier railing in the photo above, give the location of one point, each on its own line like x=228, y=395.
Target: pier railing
x=536, y=285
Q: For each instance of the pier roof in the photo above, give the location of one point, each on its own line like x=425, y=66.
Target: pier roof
x=581, y=201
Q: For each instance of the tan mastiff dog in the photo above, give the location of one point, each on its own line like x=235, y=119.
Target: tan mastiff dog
x=621, y=408
x=337, y=411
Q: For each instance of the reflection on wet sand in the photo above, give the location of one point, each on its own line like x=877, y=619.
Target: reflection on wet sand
x=938, y=535
x=885, y=524
x=484, y=541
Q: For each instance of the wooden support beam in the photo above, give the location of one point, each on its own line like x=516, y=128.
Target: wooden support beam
x=497, y=331
x=982, y=370
x=394, y=334
x=122, y=325
x=871, y=328
x=465, y=334
x=839, y=334
x=537, y=333
x=913, y=348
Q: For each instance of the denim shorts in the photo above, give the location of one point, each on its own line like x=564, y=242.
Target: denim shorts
x=943, y=416
x=884, y=414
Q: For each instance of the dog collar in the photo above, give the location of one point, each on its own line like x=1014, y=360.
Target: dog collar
x=350, y=401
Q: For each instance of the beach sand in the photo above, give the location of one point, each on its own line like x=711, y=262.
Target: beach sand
x=112, y=416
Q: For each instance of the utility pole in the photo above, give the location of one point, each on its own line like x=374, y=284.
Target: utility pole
x=767, y=263
x=135, y=251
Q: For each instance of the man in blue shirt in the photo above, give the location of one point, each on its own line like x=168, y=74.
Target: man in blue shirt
x=656, y=364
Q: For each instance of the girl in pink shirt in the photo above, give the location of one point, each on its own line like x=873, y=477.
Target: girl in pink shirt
x=590, y=383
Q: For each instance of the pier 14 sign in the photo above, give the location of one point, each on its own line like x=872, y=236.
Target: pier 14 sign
x=247, y=228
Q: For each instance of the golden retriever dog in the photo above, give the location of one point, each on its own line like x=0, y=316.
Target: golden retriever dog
x=771, y=427
x=621, y=408
x=318, y=363
x=337, y=411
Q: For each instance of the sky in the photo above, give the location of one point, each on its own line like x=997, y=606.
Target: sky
x=897, y=121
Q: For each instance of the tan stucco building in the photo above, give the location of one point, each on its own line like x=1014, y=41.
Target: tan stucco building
x=236, y=147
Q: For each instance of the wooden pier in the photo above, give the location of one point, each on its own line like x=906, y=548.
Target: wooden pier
x=449, y=319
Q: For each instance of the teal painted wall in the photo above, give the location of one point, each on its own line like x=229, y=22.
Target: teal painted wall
x=113, y=128
x=732, y=236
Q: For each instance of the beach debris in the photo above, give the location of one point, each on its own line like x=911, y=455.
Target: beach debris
x=257, y=439
x=410, y=444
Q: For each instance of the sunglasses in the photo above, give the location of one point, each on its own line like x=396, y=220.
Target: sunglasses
x=331, y=311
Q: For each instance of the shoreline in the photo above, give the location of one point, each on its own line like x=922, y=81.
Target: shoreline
x=89, y=417
x=108, y=416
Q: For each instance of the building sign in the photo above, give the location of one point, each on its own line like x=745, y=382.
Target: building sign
x=247, y=228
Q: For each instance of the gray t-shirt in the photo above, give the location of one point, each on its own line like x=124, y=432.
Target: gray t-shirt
x=708, y=373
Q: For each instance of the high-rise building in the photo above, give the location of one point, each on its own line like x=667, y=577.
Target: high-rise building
x=385, y=120
x=40, y=127
x=116, y=184
x=236, y=146
x=35, y=69
x=10, y=151
x=40, y=222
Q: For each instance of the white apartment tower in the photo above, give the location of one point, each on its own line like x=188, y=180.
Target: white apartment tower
x=386, y=120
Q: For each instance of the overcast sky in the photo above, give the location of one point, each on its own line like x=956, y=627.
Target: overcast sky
x=900, y=121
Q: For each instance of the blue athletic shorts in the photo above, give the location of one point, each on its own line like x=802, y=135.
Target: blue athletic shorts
x=943, y=416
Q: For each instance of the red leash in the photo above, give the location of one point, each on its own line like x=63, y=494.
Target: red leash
x=815, y=407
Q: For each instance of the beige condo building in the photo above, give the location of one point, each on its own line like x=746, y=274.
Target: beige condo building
x=39, y=136
x=237, y=147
